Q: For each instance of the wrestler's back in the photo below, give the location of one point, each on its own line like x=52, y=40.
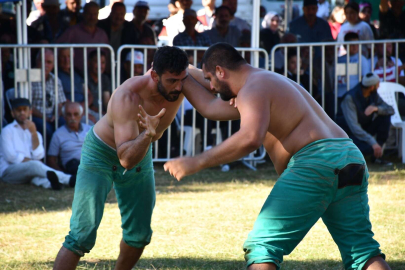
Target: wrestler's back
x=296, y=119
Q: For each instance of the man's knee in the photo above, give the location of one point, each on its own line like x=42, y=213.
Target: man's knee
x=377, y=262
x=262, y=266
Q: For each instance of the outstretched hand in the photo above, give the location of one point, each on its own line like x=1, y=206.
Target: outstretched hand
x=149, y=123
x=181, y=167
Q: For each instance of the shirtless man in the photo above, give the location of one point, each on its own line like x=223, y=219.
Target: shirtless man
x=322, y=173
x=118, y=151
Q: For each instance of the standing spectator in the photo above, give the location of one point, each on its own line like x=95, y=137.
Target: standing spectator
x=205, y=15
x=49, y=108
x=323, y=9
x=85, y=32
x=174, y=25
x=270, y=33
x=363, y=115
x=21, y=151
x=35, y=14
x=190, y=37
x=137, y=66
x=366, y=10
x=99, y=102
x=49, y=26
x=141, y=28
x=392, y=18
x=118, y=31
x=336, y=19
x=240, y=23
x=222, y=31
x=71, y=14
x=172, y=7
x=104, y=12
x=67, y=141
x=309, y=27
x=355, y=25
x=354, y=56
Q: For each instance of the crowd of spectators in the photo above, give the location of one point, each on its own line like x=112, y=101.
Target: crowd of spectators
x=48, y=24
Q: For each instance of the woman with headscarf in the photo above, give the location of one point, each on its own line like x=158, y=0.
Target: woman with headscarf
x=270, y=34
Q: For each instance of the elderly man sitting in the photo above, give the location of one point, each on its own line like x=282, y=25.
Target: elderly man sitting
x=67, y=141
x=363, y=115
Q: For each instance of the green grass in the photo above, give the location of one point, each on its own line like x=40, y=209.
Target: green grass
x=199, y=223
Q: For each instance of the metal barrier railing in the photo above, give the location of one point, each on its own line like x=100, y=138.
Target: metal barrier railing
x=25, y=75
x=342, y=70
x=250, y=54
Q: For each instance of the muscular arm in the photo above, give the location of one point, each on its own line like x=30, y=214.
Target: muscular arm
x=131, y=145
x=207, y=104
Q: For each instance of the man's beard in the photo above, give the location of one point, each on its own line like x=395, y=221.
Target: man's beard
x=171, y=97
x=225, y=91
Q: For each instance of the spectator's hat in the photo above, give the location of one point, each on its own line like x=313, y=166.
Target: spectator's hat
x=189, y=12
x=17, y=102
x=142, y=4
x=365, y=5
x=310, y=3
x=370, y=79
x=138, y=58
x=51, y=3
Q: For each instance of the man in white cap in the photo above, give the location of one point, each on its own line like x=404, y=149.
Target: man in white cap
x=138, y=66
x=363, y=115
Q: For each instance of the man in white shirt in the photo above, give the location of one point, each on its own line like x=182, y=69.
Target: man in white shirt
x=205, y=15
x=21, y=150
x=174, y=24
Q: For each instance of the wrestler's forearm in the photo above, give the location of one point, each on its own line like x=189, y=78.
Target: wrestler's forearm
x=132, y=152
x=235, y=147
x=198, y=75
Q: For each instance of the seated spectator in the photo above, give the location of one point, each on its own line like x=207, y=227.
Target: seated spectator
x=366, y=9
x=141, y=28
x=21, y=151
x=323, y=9
x=104, y=12
x=84, y=32
x=222, y=31
x=67, y=141
x=363, y=115
x=174, y=24
x=279, y=54
x=355, y=25
x=137, y=66
x=391, y=70
x=78, y=86
x=336, y=19
x=205, y=15
x=190, y=37
x=270, y=34
x=118, y=30
x=240, y=23
x=309, y=27
x=71, y=14
x=49, y=108
x=50, y=26
x=392, y=18
x=293, y=67
x=353, y=58
x=93, y=83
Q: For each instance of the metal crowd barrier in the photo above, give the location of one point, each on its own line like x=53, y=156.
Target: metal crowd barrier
x=341, y=70
x=252, y=55
x=24, y=74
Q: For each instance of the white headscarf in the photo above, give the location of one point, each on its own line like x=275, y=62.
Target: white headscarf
x=267, y=19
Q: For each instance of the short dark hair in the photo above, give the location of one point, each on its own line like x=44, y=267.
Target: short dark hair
x=350, y=36
x=354, y=6
x=224, y=55
x=171, y=59
x=117, y=4
x=218, y=9
x=291, y=52
x=89, y=5
x=93, y=54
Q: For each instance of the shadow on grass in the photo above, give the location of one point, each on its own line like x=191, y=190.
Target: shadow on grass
x=20, y=198
x=196, y=263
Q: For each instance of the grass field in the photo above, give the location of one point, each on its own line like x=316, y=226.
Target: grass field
x=199, y=223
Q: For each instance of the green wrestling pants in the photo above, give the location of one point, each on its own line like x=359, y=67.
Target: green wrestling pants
x=98, y=172
x=326, y=179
